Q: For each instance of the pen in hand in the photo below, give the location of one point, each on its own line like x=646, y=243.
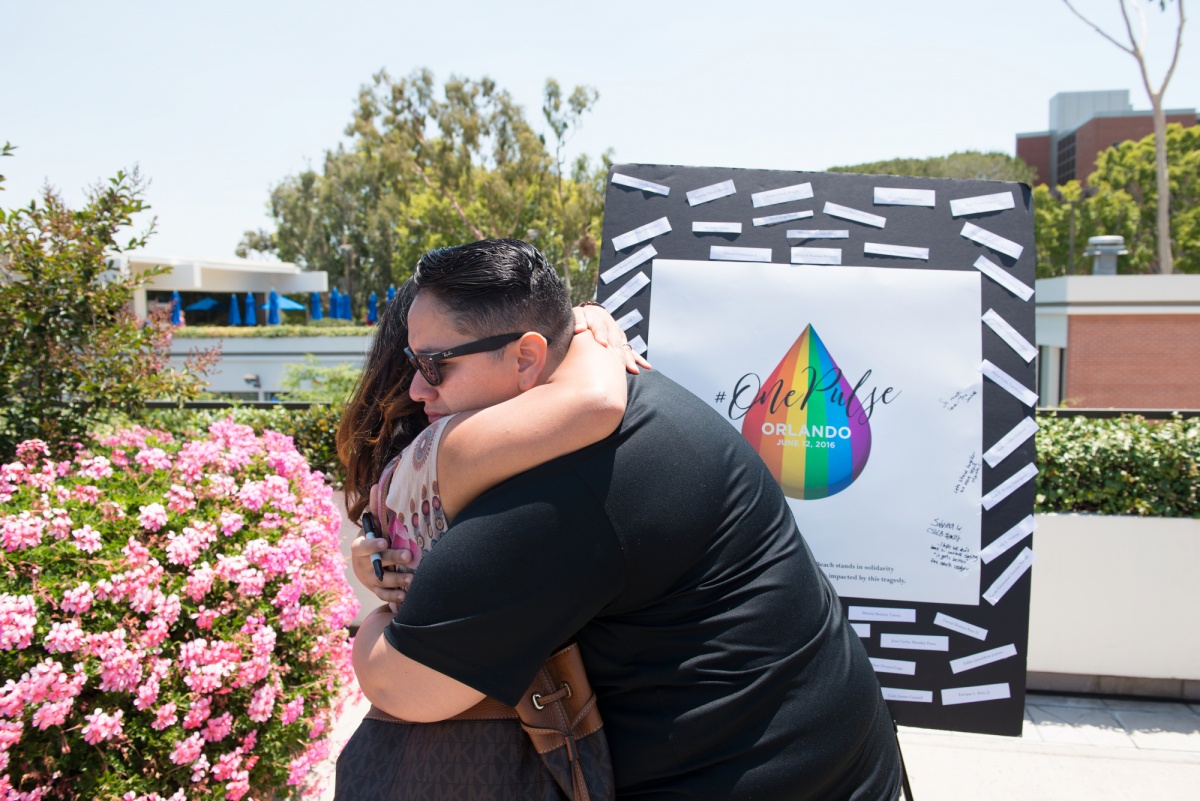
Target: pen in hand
x=369, y=528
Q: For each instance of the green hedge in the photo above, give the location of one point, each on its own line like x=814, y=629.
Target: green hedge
x=271, y=331
x=1120, y=466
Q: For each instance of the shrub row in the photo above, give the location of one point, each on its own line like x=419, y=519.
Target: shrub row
x=1120, y=466
x=336, y=328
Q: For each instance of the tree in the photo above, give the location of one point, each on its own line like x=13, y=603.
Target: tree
x=1124, y=201
x=1135, y=47
x=969, y=165
x=425, y=169
x=70, y=350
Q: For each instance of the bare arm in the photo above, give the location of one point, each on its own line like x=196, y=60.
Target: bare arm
x=582, y=403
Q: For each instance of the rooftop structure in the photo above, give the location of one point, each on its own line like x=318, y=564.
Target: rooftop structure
x=1082, y=125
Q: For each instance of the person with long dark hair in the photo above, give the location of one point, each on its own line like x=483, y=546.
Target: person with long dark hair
x=416, y=467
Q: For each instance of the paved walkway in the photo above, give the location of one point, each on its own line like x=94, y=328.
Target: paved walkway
x=1072, y=749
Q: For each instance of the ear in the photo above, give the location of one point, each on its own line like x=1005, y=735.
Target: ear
x=531, y=360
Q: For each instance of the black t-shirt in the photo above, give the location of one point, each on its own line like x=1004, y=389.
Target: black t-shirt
x=719, y=652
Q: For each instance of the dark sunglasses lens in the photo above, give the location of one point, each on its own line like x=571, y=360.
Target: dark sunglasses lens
x=429, y=369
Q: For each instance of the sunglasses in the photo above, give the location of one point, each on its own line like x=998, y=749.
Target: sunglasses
x=427, y=363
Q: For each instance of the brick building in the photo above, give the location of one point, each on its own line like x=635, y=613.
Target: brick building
x=1125, y=342
x=1082, y=125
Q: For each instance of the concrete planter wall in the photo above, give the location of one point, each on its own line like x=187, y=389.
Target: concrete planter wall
x=267, y=358
x=1114, y=605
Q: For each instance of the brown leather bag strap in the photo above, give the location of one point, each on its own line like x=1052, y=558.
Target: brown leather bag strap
x=487, y=709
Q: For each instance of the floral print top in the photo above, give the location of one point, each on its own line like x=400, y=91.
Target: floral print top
x=412, y=513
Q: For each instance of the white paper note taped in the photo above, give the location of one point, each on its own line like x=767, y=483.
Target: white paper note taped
x=1003, y=278
x=638, y=183
x=982, y=658
x=900, y=251
x=915, y=642
x=636, y=259
x=971, y=695
x=1010, y=335
x=818, y=233
x=783, y=194
x=706, y=193
x=1008, y=383
x=918, y=696
x=727, y=253
x=1008, y=539
x=862, y=630
x=982, y=204
x=1009, y=486
x=961, y=626
x=1010, y=441
x=628, y=290
x=854, y=215
x=638, y=344
x=892, y=196
x=648, y=231
x=1009, y=577
x=775, y=219
x=993, y=241
x=716, y=228
x=883, y=613
x=816, y=255
x=630, y=320
x=902, y=667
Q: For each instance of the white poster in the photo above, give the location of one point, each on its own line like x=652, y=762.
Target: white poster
x=860, y=388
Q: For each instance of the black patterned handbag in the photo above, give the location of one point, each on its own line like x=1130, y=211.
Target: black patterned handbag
x=562, y=752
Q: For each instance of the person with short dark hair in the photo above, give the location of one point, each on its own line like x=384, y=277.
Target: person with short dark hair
x=719, y=652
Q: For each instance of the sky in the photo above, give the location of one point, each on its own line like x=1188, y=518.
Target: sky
x=216, y=102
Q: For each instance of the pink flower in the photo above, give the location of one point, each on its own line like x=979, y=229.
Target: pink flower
x=135, y=552
x=238, y=786
x=22, y=531
x=95, y=468
x=87, y=539
x=188, y=750
x=165, y=717
x=152, y=517
x=86, y=494
x=180, y=499
x=218, y=728
x=102, y=726
x=78, y=600
x=152, y=459
x=18, y=615
x=262, y=703
x=111, y=511
x=199, y=713
x=199, y=582
x=64, y=638
x=30, y=450
x=291, y=711
x=199, y=768
x=52, y=714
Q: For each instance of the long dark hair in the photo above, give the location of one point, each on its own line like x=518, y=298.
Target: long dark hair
x=380, y=418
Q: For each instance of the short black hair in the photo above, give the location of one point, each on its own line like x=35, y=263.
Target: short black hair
x=498, y=286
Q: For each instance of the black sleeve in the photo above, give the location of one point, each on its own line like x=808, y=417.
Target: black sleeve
x=520, y=572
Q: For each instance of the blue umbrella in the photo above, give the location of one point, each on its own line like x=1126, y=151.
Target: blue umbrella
x=204, y=304
x=176, y=309
x=314, y=303
x=391, y=293
x=372, y=309
x=235, y=313
x=273, y=308
x=285, y=304
x=335, y=305
x=347, y=314
x=250, y=317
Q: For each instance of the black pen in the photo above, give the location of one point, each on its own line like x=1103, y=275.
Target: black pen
x=368, y=521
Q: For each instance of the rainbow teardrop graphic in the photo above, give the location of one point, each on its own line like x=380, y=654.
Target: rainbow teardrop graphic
x=811, y=443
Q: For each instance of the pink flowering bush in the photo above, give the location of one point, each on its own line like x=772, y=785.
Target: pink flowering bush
x=172, y=618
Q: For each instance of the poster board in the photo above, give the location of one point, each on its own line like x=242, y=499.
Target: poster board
x=871, y=337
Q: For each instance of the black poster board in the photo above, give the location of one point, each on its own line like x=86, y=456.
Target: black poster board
x=640, y=196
